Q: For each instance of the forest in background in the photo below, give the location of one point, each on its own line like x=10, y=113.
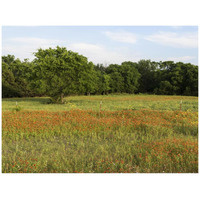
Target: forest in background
x=58, y=73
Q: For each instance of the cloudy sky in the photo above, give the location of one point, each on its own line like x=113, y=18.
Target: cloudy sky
x=106, y=44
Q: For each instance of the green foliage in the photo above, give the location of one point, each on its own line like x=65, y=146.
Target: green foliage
x=131, y=77
x=165, y=88
x=117, y=80
x=177, y=79
x=59, y=73
x=15, y=76
x=147, y=70
x=123, y=78
x=103, y=80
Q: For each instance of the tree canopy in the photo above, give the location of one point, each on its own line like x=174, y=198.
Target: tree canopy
x=58, y=72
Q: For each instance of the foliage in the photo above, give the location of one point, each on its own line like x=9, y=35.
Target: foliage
x=147, y=81
x=16, y=80
x=131, y=77
x=58, y=73
x=177, y=79
x=103, y=80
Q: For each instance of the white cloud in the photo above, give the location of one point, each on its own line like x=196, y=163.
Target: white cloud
x=176, y=27
x=100, y=54
x=85, y=47
x=181, y=59
x=186, y=40
x=122, y=36
x=33, y=41
x=23, y=47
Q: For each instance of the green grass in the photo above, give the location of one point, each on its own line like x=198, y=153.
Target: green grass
x=110, y=102
x=131, y=134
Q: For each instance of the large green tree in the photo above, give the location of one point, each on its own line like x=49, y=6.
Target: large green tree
x=59, y=72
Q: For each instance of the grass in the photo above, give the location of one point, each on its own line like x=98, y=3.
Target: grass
x=111, y=102
x=131, y=134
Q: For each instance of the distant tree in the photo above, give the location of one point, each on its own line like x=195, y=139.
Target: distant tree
x=116, y=78
x=87, y=80
x=147, y=70
x=165, y=88
x=177, y=79
x=9, y=59
x=131, y=76
x=100, y=67
x=15, y=74
x=102, y=80
x=9, y=86
x=106, y=84
x=190, y=79
x=59, y=72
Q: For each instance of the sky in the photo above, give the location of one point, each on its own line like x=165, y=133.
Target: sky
x=106, y=44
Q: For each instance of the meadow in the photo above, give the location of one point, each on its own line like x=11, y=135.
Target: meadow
x=100, y=134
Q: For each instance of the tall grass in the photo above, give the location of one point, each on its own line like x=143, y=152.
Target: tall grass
x=110, y=102
x=76, y=137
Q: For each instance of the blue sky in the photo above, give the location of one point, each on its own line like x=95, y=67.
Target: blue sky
x=106, y=44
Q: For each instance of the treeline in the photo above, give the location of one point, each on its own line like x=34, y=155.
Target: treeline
x=59, y=72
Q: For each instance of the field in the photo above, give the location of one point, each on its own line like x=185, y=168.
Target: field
x=100, y=134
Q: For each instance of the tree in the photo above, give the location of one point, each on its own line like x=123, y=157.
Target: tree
x=106, y=84
x=190, y=79
x=116, y=78
x=59, y=72
x=87, y=80
x=9, y=59
x=147, y=82
x=102, y=80
x=177, y=79
x=131, y=76
x=165, y=88
x=9, y=86
x=15, y=74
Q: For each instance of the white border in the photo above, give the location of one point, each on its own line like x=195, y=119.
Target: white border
x=99, y=186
